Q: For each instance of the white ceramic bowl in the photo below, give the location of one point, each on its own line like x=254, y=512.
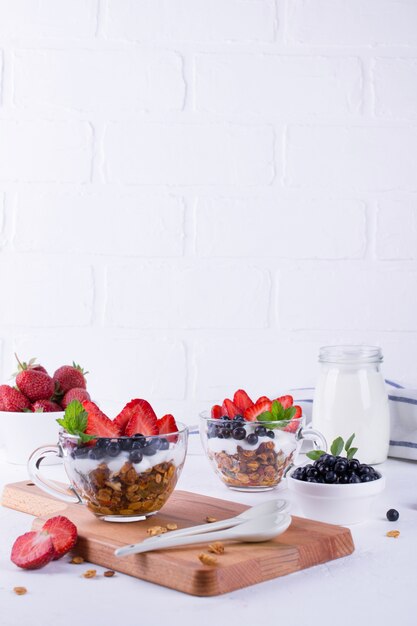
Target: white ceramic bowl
x=21, y=433
x=336, y=504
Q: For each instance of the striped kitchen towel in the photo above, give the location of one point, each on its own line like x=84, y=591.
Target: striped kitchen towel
x=403, y=414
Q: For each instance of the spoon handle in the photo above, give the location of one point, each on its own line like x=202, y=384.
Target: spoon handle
x=195, y=530
x=170, y=542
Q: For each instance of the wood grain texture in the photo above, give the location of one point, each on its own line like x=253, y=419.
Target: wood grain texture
x=304, y=544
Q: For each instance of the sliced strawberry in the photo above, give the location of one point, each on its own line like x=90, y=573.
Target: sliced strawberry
x=242, y=400
x=63, y=534
x=257, y=409
x=286, y=401
x=230, y=409
x=32, y=550
x=294, y=424
x=167, y=425
x=144, y=420
x=126, y=414
x=216, y=412
x=98, y=423
x=263, y=399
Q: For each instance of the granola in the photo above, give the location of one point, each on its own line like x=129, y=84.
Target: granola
x=207, y=559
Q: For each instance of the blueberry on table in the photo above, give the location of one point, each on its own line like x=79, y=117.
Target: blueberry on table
x=239, y=433
x=392, y=515
x=252, y=439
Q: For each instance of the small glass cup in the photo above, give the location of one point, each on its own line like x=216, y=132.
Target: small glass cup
x=118, y=479
x=257, y=464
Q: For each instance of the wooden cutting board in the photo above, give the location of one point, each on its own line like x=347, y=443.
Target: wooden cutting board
x=304, y=544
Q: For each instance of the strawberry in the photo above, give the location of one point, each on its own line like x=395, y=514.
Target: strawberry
x=167, y=425
x=32, y=550
x=63, y=534
x=35, y=385
x=46, y=406
x=77, y=393
x=263, y=399
x=286, y=401
x=68, y=377
x=30, y=365
x=257, y=409
x=230, y=409
x=294, y=424
x=12, y=399
x=129, y=410
x=216, y=412
x=98, y=423
x=144, y=420
x=242, y=400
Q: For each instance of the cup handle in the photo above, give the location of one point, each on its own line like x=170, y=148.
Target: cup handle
x=49, y=486
x=319, y=443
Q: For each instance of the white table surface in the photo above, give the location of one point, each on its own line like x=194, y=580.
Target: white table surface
x=378, y=582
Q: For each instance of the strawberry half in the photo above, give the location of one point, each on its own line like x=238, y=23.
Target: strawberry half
x=98, y=423
x=144, y=420
x=286, y=401
x=263, y=399
x=252, y=413
x=32, y=550
x=294, y=424
x=63, y=534
x=230, y=409
x=129, y=410
x=216, y=412
x=167, y=425
x=242, y=400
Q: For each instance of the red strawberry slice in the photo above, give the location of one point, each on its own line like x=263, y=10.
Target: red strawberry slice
x=144, y=420
x=242, y=400
x=167, y=424
x=126, y=414
x=216, y=412
x=230, y=409
x=254, y=411
x=98, y=423
x=32, y=550
x=63, y=534
x=295, y=422
x=286, y=401
x=263, y=399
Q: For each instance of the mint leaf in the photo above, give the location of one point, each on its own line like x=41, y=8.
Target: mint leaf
x=277, y=410
x=266, y=417
x=349, y=442
x=75, y=421
x=351, y=453
x=337, y=446
x=289, y=413
x=315, y=454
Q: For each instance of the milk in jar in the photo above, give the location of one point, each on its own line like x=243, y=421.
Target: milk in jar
x=351, y=397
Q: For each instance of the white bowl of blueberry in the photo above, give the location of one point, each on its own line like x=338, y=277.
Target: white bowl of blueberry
x=334, y=488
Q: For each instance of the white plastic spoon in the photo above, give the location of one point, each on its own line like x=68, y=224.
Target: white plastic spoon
x=260, y=510
x=255, y=530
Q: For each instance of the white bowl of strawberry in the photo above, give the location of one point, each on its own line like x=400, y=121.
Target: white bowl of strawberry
x=250, y=444
x=124, y=468
x=30, y=407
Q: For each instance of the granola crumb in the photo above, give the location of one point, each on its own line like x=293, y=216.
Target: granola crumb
x=393, y=533
x=210, y=519
x=156, y=530
x=90, y=573
x=217, y=547
x=172, y=526
x=207, y=559
x=20, y=591
x=109, y=573
x=77, y=560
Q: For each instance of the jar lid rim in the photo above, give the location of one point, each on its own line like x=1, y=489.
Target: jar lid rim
x=350, y=354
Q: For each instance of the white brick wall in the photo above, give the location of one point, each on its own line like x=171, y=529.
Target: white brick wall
x=195, y=195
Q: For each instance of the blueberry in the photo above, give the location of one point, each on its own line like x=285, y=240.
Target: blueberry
x=311, y=480
x=137, y=435
x=365, y=478
x=239, y=418
x=353, y=478
x=252, y=439
x=212, y=431
x=343, y=479
x=225, y=418
x=312, y=473
x=364, y=469
x=137, y=444
x=135, y=456
x=270, y=434
x=164, y=444
x=220, y=436
x=392, y=515
x=354, y=464
x=81, y=453
x=126, y=444
x=149, y=450
x=96, y=453
x=102, y=442
x=330, y=477
x=331, y=461
x=260, y=431
x=340, y=466
x=299, y=473
x=156, y=443
x=239, y=433
x=113, y=449
x=227, y=433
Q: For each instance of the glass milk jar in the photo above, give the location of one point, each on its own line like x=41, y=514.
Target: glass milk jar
x=350, y=397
